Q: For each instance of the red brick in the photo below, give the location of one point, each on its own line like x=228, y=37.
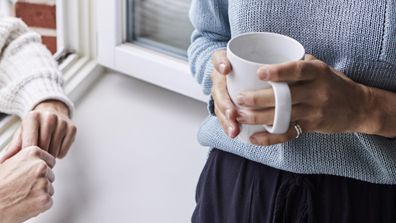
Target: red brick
x=50, y=42
x=36, y=15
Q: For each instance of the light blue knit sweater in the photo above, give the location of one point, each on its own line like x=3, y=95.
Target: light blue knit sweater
x=357, y=37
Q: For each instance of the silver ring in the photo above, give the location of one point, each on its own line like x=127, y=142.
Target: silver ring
x=299, y=130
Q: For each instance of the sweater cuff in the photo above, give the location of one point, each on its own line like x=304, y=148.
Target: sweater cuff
x=38, y=90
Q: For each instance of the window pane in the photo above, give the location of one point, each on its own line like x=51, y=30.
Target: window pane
x=162, y=24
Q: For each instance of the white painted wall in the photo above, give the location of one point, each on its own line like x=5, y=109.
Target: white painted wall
x=136, y=158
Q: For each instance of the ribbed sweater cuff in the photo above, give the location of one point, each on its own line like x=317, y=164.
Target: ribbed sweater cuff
x=36, y=91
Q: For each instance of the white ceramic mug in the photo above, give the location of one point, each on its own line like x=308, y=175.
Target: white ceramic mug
x=247, y=53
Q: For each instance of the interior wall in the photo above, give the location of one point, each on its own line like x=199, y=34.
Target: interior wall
x=136, y=158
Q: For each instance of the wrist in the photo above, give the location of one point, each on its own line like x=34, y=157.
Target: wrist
x=370, y=117
x=54, y=106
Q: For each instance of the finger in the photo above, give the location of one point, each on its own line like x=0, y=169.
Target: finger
x=265, y=98
x=267, y=139
x=68, y=141
x=221, y=63
x=230, y=127
x=13, y=147
x=309, y=57
x=46, y=157
x=30, y=129
x=50, y=189
x=47, y=127
x=289, y=72
x=221, y=97
x=266, y=116
x=50, y=175
x=57, y=138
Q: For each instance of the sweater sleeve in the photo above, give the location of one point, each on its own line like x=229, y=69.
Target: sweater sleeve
x=28, y=72
x=212, y=32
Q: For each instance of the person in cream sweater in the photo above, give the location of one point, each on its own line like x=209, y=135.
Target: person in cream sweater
x=31, y=88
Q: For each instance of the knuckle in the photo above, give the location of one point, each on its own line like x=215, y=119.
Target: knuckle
x=34, y=115
x=320, y=115
x=254, y=100
x=253, y=118
x=43, y=184
x=265, y=141
x=52, y=119
x=273, y=73
x=62, y=125
x=41, y=169
x=300, y=66
x=323, y=66
x=45, y=202
x=325, y=97
x=73, y=129
x=33, y=151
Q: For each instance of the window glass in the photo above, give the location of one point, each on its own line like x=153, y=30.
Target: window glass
x=160, y=24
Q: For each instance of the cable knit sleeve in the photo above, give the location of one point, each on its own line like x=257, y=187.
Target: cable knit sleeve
x=212, y=32
x=28, y=72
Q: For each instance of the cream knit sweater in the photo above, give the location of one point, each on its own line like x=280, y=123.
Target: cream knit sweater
x=28, y=72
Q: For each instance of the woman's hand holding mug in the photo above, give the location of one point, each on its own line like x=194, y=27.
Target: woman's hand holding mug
x=323, y=100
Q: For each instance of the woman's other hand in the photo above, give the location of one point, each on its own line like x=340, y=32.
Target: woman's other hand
x=225, y=109
x=26, y=185
x=47, y=126
x=323, y=100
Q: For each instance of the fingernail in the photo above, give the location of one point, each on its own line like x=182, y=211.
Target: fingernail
x=222, y=68
x=230, y=130
x=263, y=73
x=241, y=99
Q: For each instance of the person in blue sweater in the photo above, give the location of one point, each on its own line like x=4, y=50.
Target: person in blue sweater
x=343, y=167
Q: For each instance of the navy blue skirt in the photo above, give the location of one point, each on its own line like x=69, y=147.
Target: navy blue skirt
x=232, y=189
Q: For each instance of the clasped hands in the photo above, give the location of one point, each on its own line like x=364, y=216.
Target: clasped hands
x=26, y=166
x=323, y=100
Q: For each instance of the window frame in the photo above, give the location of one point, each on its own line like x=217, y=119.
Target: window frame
x=80, y=67
x=135, y=60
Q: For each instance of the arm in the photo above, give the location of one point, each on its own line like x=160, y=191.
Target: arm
x=378, y=117
x=29, y=74
x=31, y=87
x=208, y=61
x=212, y=32
x=324, y=101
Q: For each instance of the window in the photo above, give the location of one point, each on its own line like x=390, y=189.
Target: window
x=148, y=39
x=75, y=47
x=160, y=24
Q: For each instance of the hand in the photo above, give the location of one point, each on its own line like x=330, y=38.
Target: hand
x=26, y=185
x=323, y=100
x=225, y=109
x=47, y=126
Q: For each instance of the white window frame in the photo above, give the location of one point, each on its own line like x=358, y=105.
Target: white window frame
x=145, y=64
x=77, y=31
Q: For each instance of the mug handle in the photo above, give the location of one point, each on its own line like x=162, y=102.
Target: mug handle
x=283, y=107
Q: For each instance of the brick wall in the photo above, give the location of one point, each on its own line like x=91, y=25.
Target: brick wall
x=40, y=16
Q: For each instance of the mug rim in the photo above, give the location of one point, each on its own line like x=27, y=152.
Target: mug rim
x=261, y=33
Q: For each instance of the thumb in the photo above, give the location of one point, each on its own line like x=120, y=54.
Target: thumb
x=13, y=147
x=309, y=57
x=220, y=62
